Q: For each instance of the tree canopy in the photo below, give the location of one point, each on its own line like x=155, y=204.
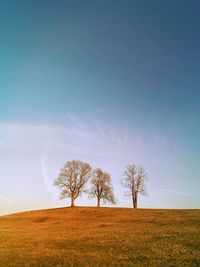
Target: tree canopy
x=134, y=180
x=73, y=178
x=101, y=187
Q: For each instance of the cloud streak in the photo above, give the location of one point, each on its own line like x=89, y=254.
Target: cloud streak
x=37, y=151
x=177, y=192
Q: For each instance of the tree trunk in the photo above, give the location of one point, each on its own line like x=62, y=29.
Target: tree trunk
x=133, y=201
x=98, y=204
x=136, y=198
x=72, y=200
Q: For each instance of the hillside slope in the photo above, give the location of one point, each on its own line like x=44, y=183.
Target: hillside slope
x=100, y=237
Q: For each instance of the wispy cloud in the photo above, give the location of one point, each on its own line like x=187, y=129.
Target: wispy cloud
x=86, y=136
x=37, y=151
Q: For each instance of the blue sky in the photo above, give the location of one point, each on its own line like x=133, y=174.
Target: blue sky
x=109, y=82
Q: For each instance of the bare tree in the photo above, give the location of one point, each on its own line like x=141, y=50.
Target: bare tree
x=72, y=179
x=101, y=187
x=134, y=181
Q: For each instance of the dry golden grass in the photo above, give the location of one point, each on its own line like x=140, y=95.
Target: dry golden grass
x=100, y=237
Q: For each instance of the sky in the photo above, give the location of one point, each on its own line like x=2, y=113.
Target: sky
x=106, y=82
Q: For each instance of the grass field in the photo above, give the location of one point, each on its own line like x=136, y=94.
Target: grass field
x=100, y=237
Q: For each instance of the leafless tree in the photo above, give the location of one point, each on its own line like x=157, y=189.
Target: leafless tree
x=101, y=187
x=134, y=180
x=72, y=179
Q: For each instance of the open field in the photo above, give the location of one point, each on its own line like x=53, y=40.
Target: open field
x=100, y=237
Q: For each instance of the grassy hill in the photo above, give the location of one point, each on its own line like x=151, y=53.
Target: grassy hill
x=100, y=237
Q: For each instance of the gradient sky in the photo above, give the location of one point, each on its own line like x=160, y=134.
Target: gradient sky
x=107, y=82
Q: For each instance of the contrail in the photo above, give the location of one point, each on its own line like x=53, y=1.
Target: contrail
x=43, y=163
x=175, y=192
